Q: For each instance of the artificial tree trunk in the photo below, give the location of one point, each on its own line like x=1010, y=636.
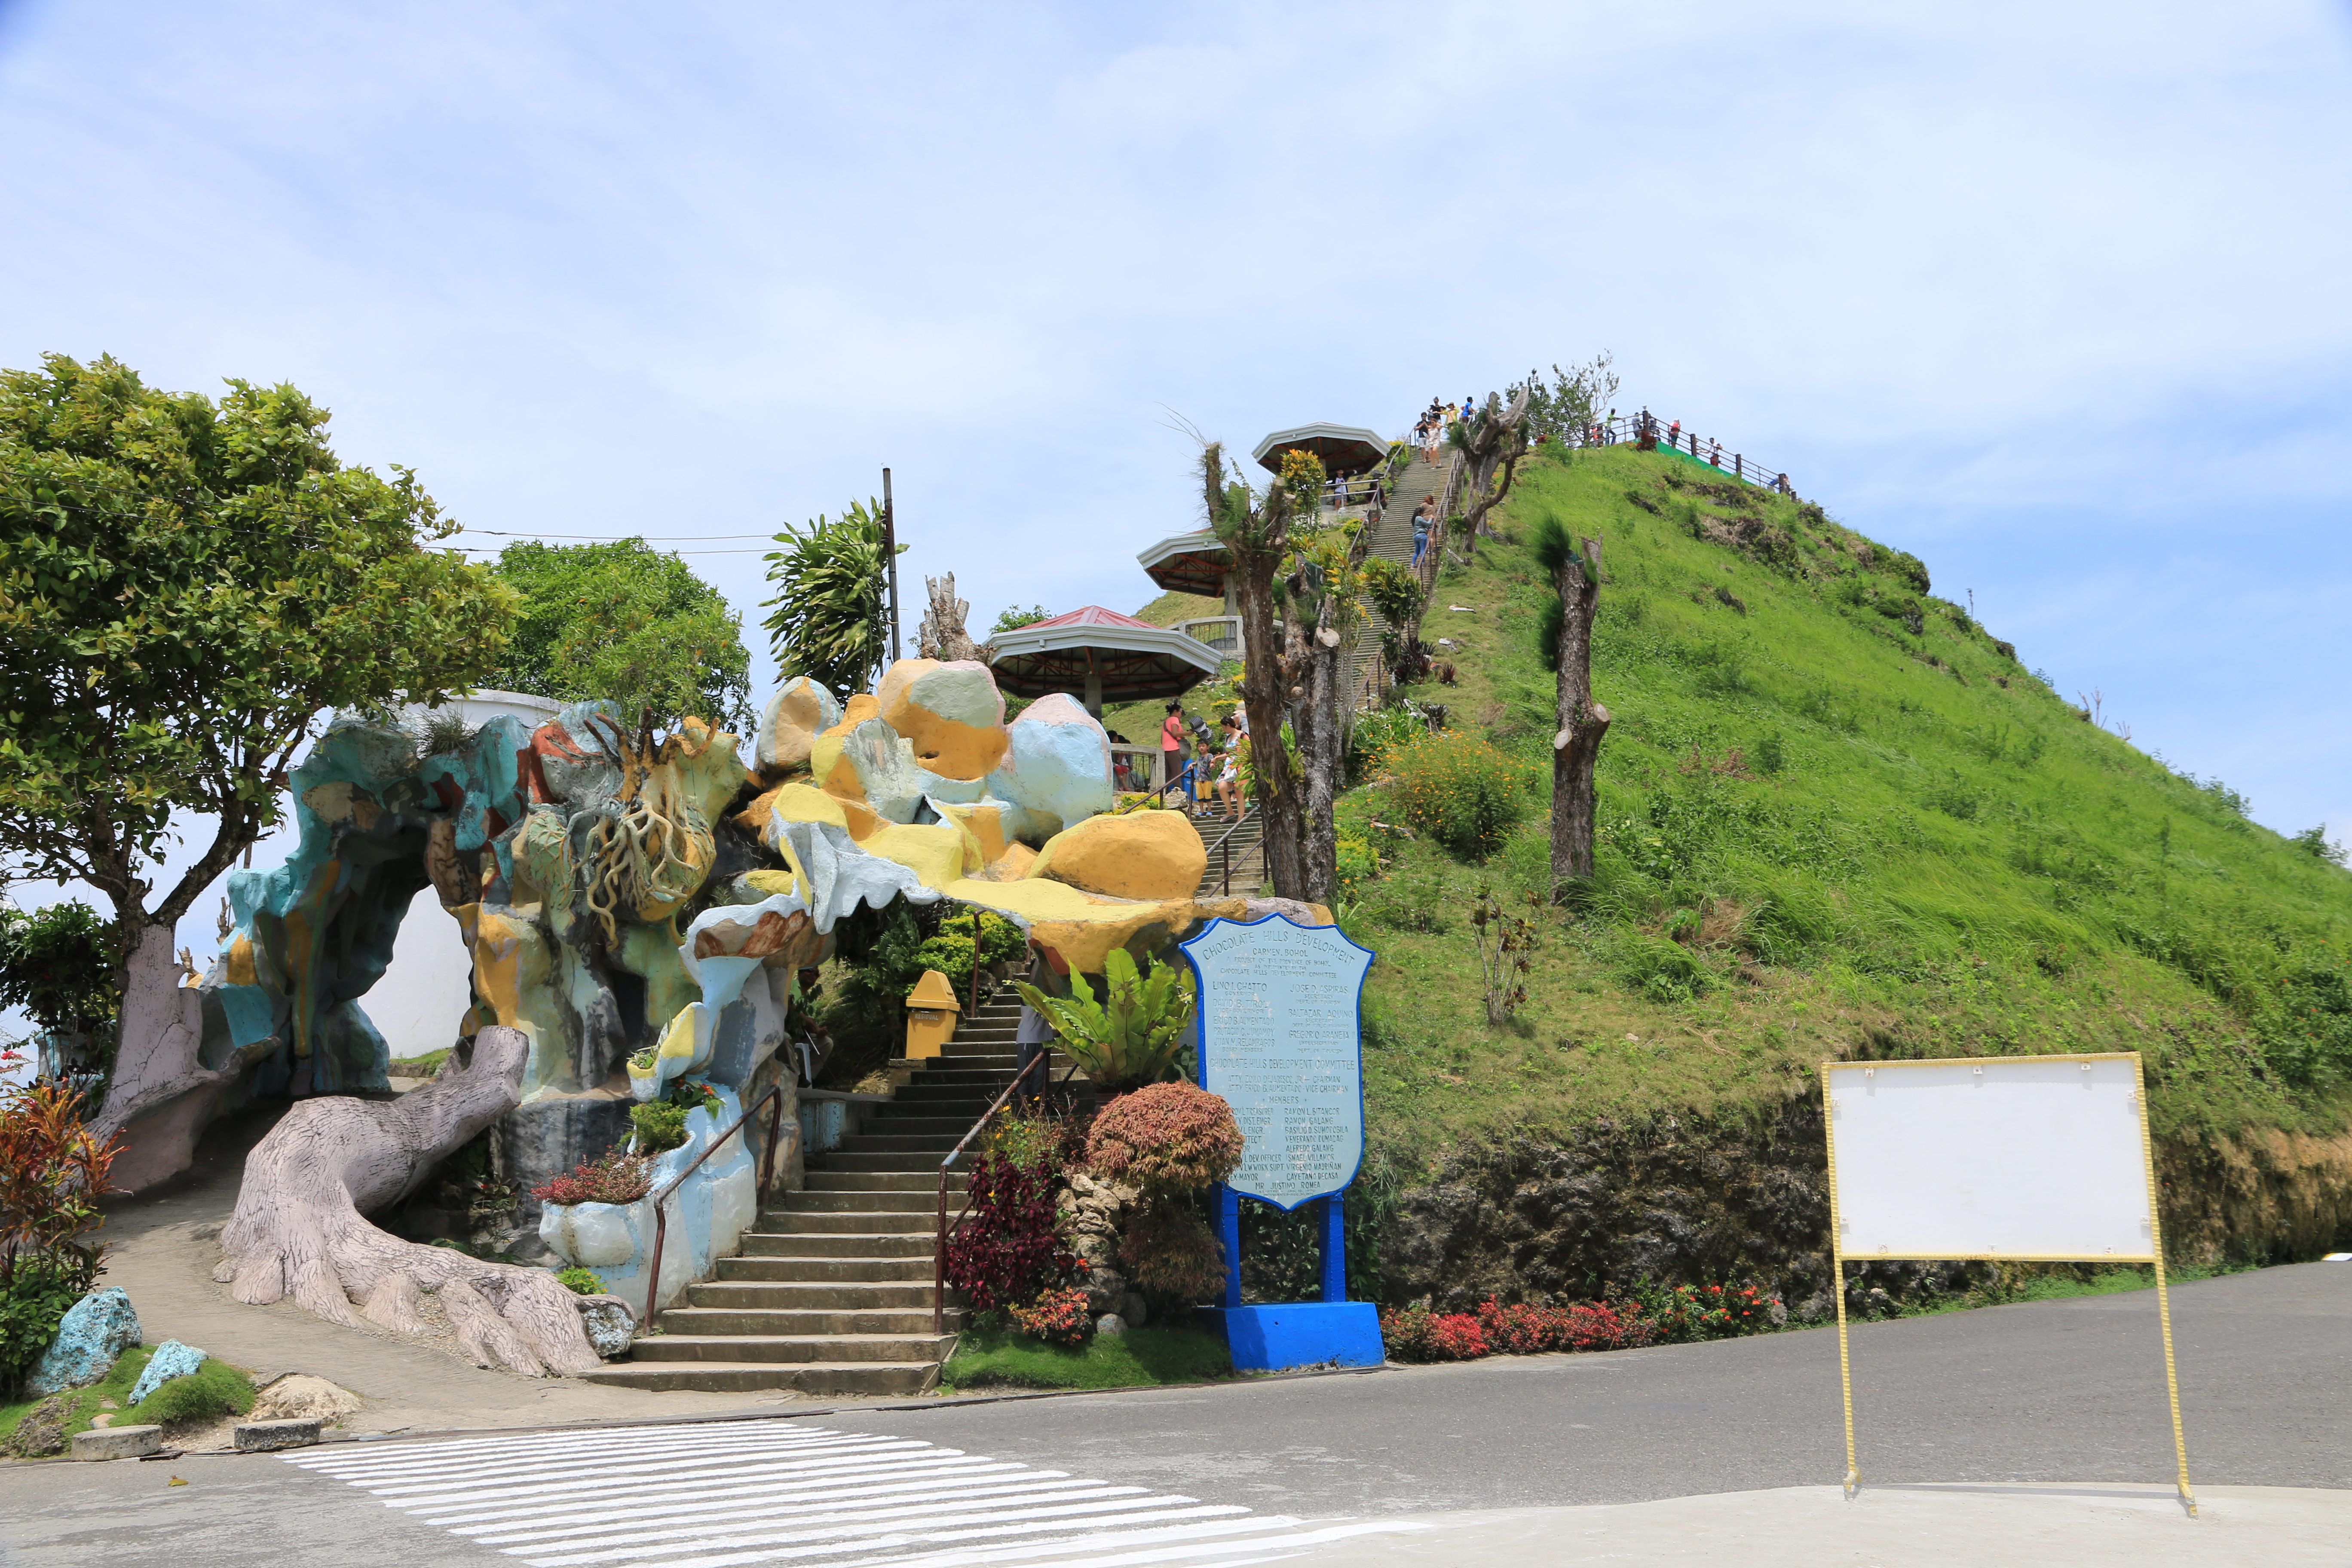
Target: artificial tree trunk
x=943, y=634
x=1267, y=693
x=1576, y=746
x=159, y=1095
x=1323, y=749
x=297, y=1231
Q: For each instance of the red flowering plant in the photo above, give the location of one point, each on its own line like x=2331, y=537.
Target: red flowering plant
x=1416, y=1333
x=1680, y=1314
x=1058, y=1316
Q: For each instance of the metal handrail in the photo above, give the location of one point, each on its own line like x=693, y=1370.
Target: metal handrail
x=939, y=1242
x=1224, y=847
x=767, y=1177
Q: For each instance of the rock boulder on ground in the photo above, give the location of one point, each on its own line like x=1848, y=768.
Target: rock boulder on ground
x=42, y=1430
x=1143, y=855
x=93, y=1334
x=297, y=1396
x=172, y=1359
x=610, y=1327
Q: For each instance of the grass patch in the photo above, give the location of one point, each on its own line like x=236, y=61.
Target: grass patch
x=1140, y=1358
x=425, y=1065
x=213, y=1390
x=1837, y=820
x=2058, y=1282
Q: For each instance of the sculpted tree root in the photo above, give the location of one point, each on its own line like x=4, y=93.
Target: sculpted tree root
x=298, y=1229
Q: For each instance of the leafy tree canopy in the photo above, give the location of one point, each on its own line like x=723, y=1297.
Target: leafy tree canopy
x=1013, y=616
x=827, y=620
x=54, y=965
x=624, y=621
x=185, y=587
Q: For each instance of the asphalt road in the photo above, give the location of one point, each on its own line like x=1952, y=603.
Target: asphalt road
x=2069, y=1390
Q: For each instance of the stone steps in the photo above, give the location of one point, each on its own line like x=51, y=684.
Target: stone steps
x=831, y=1291
x=879, y=1378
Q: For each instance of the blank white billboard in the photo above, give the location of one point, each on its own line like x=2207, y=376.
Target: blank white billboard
x=2026, y=1157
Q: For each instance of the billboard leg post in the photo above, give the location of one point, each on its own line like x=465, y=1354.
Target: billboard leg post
x=2163, y=1298
x=1845, y=1374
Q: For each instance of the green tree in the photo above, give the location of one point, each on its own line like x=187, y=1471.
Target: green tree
x=624, y=621
x=185, y=587
x=827, y=620
x=53, y=965
x=1013, y=616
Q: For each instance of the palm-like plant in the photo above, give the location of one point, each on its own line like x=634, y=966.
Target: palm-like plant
x=826, y=621
x=1133, y=1033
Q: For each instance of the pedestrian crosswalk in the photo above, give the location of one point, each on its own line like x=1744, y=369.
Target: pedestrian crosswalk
x=724, y=1494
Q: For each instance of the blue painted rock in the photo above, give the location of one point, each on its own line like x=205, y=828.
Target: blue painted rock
x=172, y=1359
x=1058, y=772
x=94, y=1333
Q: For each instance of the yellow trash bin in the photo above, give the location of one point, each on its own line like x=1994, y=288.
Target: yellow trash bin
x=931, y=1013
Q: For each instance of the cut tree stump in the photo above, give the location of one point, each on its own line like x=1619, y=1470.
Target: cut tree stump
x=298, y=1229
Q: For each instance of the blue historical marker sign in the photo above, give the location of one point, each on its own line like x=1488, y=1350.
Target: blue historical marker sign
x=1279, y=1004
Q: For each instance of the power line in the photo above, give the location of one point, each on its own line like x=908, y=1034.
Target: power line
x=602, y=538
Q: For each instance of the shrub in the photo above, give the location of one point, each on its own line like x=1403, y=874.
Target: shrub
x=1679, y=1314
x=214, y=1389
x=620, y=1177
x=1169, y=1250
x=1459, y=791
x=1010, y=1244
x=39, y=1294
x=660, y=1125
x=1057, y=1316
x=949, y=951
x=1166, y=1138
x=1416, y=1333
x=52, y=1173
x=581, y=1282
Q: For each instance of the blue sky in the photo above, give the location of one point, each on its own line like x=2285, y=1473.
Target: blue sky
x=2053, y=297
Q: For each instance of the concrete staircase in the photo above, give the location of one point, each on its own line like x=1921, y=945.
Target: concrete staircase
x=1245, y=842
x=1392, y=537
x=832, y=1292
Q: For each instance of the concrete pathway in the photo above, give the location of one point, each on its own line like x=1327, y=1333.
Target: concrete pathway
x=162, y=1247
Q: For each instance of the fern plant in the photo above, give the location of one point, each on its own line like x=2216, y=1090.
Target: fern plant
x=1131, y=1036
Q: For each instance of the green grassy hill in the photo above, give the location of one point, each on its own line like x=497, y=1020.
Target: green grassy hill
x=1838, y=819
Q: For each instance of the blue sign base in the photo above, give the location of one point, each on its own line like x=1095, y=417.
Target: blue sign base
x=1302, y=1333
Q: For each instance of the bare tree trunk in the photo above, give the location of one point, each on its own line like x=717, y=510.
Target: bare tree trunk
x=298, y=1232
x=1323, y=749
x=943, y=634
x=1500, y=438
x=1267, y=693
x=1576, y=747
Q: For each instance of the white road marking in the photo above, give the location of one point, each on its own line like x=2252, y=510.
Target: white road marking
x=734, y=1494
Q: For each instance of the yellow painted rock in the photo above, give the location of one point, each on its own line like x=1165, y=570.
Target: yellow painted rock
x=796, y=715
x=1142, y=855
x=1082, y=927
x=952, y=713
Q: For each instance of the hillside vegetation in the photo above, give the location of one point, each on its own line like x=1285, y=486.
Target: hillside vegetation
x=1838, y=819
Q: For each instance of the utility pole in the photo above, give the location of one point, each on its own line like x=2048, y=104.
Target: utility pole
x=890, y=557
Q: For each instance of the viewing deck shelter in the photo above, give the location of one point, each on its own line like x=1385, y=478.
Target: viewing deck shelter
x=1103, y=655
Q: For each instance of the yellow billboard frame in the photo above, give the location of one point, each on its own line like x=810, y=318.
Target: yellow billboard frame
x=2155, y=1254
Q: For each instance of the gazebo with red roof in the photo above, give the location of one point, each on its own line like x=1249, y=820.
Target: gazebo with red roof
x=1108, y=657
